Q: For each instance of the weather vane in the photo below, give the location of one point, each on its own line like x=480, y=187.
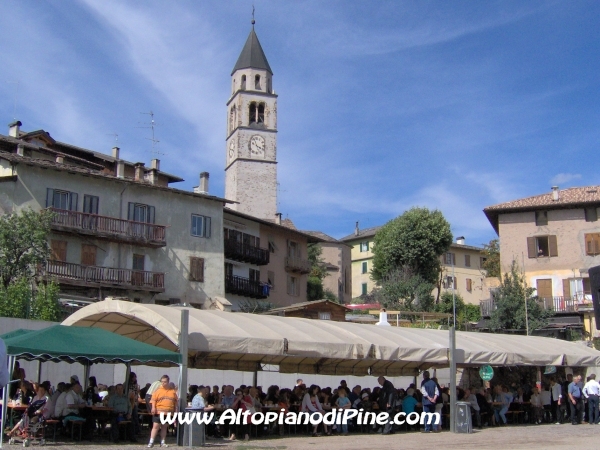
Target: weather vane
x=253, y=21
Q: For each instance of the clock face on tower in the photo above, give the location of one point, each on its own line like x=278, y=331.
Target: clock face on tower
x=231, y=149
x=257, y=146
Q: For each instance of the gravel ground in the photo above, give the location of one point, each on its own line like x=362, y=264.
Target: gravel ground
x=517, y=437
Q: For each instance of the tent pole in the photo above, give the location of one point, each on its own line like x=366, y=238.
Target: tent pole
x=452, y=391
x=86, y=375
x=183, y=349
x=127, y=375
x=39, y=372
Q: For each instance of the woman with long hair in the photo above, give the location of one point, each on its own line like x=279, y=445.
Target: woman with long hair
x=312, y=405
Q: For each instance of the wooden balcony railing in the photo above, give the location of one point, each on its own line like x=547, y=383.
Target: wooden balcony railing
x=140, y=233
x=80, y=275
x=245, y=287
x=295, y=264
x=558, y=305
x=239, y=251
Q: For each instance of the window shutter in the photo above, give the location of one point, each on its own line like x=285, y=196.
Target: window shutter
x=531, y=250
x=455, y=285
x=469, y=287
x=567, y=288
x=289, y=285
x=297, y=288
x=49, y=198
x=553, y=245
x=150, y=217
x=192, y=268
x=130, y=211
x=72, y=201
x=200, y=266
x=207, y=227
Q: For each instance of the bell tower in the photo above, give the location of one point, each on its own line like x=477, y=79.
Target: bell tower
x=251, y=143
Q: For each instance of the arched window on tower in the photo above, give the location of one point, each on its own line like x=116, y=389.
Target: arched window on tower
x=261, y=113
x=257, y=82
x=252, y=113
x=269, y=85
x=243, y=87
x=256, y=113
x=232, y=119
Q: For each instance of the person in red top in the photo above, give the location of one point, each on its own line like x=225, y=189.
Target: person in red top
x=164, y=400
x=244, y=402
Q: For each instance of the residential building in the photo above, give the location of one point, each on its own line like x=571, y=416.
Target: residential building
x=118, y=228
x=462, y=269
x=554, y=238
x=338, y=263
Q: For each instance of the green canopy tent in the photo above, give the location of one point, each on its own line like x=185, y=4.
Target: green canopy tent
x=80, y=344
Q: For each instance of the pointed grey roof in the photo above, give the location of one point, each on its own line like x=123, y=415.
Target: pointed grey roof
x=252, y=55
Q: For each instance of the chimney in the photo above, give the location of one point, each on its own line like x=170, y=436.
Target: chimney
x=14, y=128
x=203, y=188
x=20, y=150
x=460, y=240
x=116, y=152
x=356, y=230
x=155, y=164
x=278, y=218
x=555, y=193
x=120, y=169
x=383, y=319
x=139, y=171
x=60, y=158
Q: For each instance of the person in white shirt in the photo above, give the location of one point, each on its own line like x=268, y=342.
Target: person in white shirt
x=537, y=406
x=61, y=402
x=472, y=399
x=73, y=401
x=591, y=391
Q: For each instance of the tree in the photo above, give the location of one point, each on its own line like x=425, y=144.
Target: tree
x=23, y=244
x=404, y=290
x=509, y=301
x=22, y=300
x=492, y=258
x=465, y=313
x=415, y=241
x=318, y=271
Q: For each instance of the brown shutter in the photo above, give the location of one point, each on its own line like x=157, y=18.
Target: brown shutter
x=455, y=285
x=553, y=245
x=88, y=255
x=531, y=250
x=58, y=250
x=567, y=288
x=192, y=269
x=469, y=285
x=200, y=268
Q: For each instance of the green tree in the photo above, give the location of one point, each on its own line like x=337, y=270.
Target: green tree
x=330, y=295
x=314, y=289
x=318, y=271
x=415, y=241
x=491, y=251
x=21, y=300
x=45, y=305
x=402, y=289
x=23, y=244
x=509, y=300
x=465, y=313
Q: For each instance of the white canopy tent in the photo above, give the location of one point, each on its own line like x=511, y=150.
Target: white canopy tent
x=238, y=341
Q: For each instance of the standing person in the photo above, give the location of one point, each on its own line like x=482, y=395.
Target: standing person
x=430, y=394
x=591, y=391
x=556, y=399
x=387, y=400
x=165, y=400
x=576, y=400
x=134, y=398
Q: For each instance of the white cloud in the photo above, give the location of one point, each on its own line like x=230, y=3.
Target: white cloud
x=563, y=178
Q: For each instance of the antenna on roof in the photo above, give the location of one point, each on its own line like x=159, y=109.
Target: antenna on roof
x=279, y=191
x=115, y=135
x=253, y=21
x=151, y=125
x=16, y=96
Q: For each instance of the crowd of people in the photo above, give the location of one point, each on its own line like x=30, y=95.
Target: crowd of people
x=556, y=401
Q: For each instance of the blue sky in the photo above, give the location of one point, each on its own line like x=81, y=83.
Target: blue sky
x=383, y=105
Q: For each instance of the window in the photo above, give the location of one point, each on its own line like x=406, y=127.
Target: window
x=138, y=262
x=591, y=214
x=364, y=267
x=324, y=316
x=542, y=246
x=90, y=204
x=196, y=269
x=257, y=82
x=577, y=288
x=467, y=260
x=139, y=212
x=482, y=261
x=469, y=285
x=363, y=289
x=254, y=275
x=271, y=279
x=450, y=259
x=592, y=244
x=541, y=218
x=243, y=83
x=256, y=113
x=293, y=286
x=58, y=250
x=58, y=199
x=88, y=255
x=544, y=288
x=228, y=270
x=293, y=249
x=200, y=226
x=364, y=246
x=449, y=282
x=271, y=246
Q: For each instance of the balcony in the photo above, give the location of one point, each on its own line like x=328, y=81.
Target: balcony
x=103, y=227
x=294, y=264
x=239, y=251
x=245, y=287
x=95, y=276
x=559, y=305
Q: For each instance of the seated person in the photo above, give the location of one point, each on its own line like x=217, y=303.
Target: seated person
x=121, y=406
x=61, y=400
x=472, y=399
x=34, y=412
x=409, y=402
